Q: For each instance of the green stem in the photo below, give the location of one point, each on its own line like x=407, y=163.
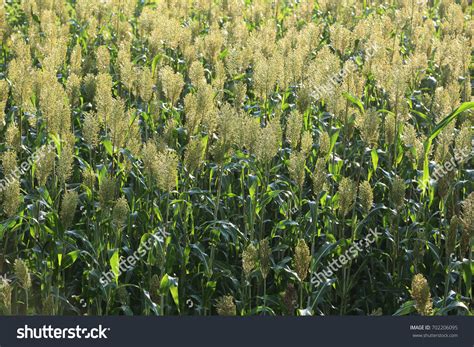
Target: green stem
x=218, y=196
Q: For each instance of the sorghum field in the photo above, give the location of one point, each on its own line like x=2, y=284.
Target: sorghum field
x=231, y=156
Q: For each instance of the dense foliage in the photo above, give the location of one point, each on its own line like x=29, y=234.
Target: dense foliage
x=213, y=156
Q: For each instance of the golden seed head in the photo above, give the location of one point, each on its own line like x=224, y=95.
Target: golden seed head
x=249, y=259
x=347, y=193
x=3, y=22
x=6, y=295
x=192, y=112
x=12, y=197
x=155, y=288
x=65, y=162
x=269, y=141
x=103, y=97
x=266, y=72
x=341, y=38
x=166, y=170
x=296, y=167
x=463, y=141
x=103, y=59
x=145, y=84
x=91, y=129
x=193, y=156
x=302, y=259
x=420, y=292
x=169, y=132
x=3, y=101
x=73, y=89
x=12, y=137
x=9, y=162
x=172, y=84
x=45, y=164
x=126, y=68
x=22, y=83
x=389, y=128
x=22, y=273
x=398, y=192
x=107, y=191
x=240, y=92
x=120, y=213
x=89, y=86
x=366, y=196
x=212, y=43
x=324, y=143
x=134, y=138
x=149, y=156
x=319, y=177
x=68, y=208
x=306, y=142
x=247, y=135
x=89, y=178
x=443, y=146
x=76, y=60
x=54, y=104
x=225, y=306
x=411, y=139
x=196, y=74
x=119, y=123
x=368, y=124
x=294, y=127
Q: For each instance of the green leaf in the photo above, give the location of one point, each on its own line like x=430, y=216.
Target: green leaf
x=467, y=276
x=422, y=115
x=305, y=312
x=452, y=306
x=334, y=138
x=108, y=146
x=354, y=101
x=70, y=258
x=175, y=295
x=114, y=264
x=154, y=63
x=170, y=283
x=57, y=141
x=323, y=251
x=407, y=308
x=164, y=283
x=375, y=159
